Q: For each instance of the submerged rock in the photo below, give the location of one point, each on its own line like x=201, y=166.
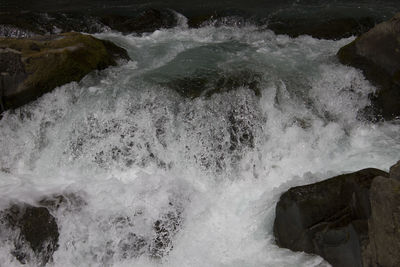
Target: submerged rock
x=34, y=66
x=207, y=84
x=376, y=53
x=333, y=29
x=329, y=218
x=35, y=228
x=165, y=229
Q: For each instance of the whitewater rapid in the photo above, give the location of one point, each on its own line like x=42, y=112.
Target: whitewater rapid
x=134, y=150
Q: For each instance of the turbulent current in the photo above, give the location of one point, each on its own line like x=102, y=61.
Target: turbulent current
x=135, y=153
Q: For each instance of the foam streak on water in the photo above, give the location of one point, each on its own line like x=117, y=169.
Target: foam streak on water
x=136, y=151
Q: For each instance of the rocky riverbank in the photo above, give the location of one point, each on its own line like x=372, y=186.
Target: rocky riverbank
x=349, y=220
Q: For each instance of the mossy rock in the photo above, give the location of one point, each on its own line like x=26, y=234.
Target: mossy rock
x=50, y=61
x=377, y=54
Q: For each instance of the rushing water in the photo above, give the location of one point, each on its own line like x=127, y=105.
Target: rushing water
x=133, y=150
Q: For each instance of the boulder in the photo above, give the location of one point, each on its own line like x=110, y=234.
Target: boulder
x=394, y=171
x=216, y=81
x=332, y=29
x=148, y=20
x=28, y=24
x=376, y=53
x=384, y=224
x=35, y=228
x=328, y=218
x=33, y=66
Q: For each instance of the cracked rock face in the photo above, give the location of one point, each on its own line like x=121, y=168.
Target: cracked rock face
x=329, y=218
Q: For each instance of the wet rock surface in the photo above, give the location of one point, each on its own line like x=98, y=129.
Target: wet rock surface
x=36, y=229
x=34, y=66
x=376, y=53
x=384, y=225
x=329, y=218
x=148, y=20
x=332, y=29
x=207, y=84
x=29, y=24
x=394, y=171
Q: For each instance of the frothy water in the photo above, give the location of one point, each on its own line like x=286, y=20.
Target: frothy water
x=137, y=153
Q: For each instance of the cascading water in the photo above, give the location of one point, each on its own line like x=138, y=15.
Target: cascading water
x=154, y=176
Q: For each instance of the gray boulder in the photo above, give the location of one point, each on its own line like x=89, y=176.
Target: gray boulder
x=376, y=53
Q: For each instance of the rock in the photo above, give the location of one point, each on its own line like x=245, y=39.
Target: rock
x=207, y=84
x=394, y=171
x=376, y=53
x=218, y=19
x=384, y=224
x=329, y=218
x=36, y=227
x=34, y=66
x=332, y=29
x=28, y=24
x=148, y=20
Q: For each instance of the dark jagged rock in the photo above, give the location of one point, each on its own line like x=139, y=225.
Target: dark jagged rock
x=34, y=66
x=329, y=218
x=376, y=53
x=148, y=20
x=36, y=228
x=384, y=224
x=332, y=29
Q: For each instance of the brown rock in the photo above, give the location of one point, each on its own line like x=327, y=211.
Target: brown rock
x=384, y=224
x=33, y=66
x=377, y=54
x=394, y=171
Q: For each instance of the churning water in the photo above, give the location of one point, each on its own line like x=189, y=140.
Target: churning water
x=132, y=151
